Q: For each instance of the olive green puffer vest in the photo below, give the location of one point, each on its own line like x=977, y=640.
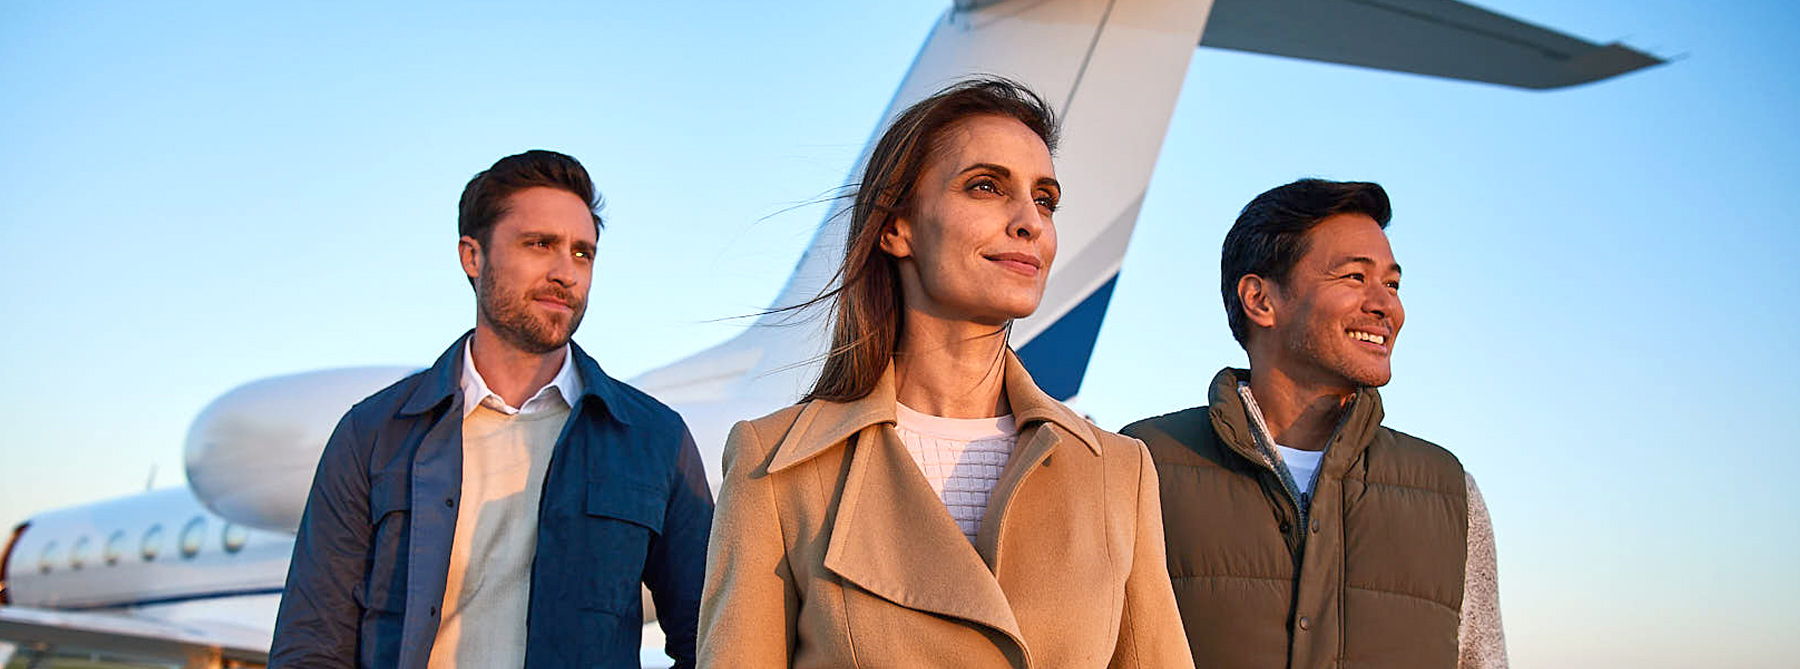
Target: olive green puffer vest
x=1373, y=576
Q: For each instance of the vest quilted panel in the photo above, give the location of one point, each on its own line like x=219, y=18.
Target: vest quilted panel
x=1382, y=580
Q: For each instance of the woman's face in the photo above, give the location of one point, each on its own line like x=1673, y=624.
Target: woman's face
x=977, y=241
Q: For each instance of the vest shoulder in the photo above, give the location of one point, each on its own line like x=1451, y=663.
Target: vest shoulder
x=1399, y=458
x=1416, y=447
x=1188, y=428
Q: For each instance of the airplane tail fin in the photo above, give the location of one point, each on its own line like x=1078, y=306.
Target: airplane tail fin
x=1113, y=70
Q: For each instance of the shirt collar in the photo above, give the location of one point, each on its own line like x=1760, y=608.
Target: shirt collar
x=561, y=390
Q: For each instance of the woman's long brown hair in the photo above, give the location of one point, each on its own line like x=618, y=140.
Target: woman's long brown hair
x=867, y=306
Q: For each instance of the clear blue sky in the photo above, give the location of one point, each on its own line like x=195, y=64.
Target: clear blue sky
x=1600, y=298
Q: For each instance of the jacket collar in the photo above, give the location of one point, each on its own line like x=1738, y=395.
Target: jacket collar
x=1231, y=421
x=442, y=382
x=824, y=425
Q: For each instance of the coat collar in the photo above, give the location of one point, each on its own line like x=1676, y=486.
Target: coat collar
x=891, y=534
x=442, y=382
x=1231, y=420
x=823, y=425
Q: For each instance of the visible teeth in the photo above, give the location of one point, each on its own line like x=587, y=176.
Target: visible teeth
x=1371, y=338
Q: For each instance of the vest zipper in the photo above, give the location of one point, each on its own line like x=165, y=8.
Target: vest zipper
x=1265, y=445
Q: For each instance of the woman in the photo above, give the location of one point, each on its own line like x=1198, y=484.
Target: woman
x=926, y=505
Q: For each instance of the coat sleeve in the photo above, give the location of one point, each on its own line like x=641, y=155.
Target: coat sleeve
x=1150, y=631
x=750, y=608
x=675, y=568
x=317, y=623
x=1480, y=641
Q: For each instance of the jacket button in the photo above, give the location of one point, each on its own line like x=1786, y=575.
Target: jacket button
x=434, y=612
x=1315, y=526
x=450, y=501
x=1305, y=623
x=1285, y=527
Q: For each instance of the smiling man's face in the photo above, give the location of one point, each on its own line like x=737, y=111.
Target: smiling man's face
x=535, y=268
x=1338, y=312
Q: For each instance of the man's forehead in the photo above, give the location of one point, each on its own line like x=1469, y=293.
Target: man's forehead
x=1346, y=238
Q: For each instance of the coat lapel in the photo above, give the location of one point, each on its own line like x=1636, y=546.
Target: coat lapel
x=892, y=536
x=1042, y=422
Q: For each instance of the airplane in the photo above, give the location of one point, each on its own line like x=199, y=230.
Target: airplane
x=193, y=575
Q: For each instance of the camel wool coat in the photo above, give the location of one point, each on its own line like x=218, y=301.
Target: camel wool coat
x=830, y=549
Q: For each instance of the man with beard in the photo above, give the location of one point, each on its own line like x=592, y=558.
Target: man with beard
x=502, y=508
x=1300, y=531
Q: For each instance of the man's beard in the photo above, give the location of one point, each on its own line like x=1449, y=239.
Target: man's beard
x=509, y=314
x=1329, y=351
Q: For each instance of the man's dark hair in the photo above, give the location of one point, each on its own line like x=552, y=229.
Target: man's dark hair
x=484, y=199
x=1269, y=236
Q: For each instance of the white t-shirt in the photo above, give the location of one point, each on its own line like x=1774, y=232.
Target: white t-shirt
x=1301, y=464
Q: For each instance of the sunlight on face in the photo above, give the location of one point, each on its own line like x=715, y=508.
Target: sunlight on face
x=1340, y=309
x=977, y=240
x=535, y=270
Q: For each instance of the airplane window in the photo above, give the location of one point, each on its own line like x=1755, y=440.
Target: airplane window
x=78, y=555
x=152, y=542
x=115, y=547
x=47, y=561
x=191, y=536
x=234, y=538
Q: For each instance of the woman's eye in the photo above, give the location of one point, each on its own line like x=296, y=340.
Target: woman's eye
x=985, y=185
x=1048, y=202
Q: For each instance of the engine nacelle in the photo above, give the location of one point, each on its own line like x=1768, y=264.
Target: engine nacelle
x=251, y=453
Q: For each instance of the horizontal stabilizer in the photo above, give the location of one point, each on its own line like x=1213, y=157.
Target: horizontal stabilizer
x=1440, y=38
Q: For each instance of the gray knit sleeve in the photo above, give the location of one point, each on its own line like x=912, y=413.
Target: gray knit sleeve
x=1481, y=643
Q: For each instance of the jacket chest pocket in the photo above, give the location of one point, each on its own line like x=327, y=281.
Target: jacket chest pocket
x=390, y=519
x=622, y=520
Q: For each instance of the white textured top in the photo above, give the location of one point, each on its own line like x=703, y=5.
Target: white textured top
x=961, y=457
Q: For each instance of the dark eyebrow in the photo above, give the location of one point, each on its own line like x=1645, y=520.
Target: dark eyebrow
x=1370, y=261
x=1002, y=171
x=1006, y=173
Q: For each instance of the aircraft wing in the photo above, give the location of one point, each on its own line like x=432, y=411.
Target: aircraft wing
x=1440, y=38
x=128, y=637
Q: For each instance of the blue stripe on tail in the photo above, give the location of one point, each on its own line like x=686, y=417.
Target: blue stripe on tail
x=1058, y=357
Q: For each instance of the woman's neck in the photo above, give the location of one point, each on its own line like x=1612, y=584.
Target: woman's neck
x=952, y=369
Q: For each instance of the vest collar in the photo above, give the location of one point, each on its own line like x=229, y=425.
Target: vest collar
x=824, y=425
x=1231, y=421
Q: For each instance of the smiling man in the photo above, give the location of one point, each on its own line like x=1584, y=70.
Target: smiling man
x=1301, y=531
x=504, y=507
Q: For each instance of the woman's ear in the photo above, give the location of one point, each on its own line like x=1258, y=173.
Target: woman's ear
x=1259, y=296
x=896, y=237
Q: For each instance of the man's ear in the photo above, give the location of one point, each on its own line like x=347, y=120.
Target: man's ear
x=470, y=251
x=1260, y=297
x=896, y=237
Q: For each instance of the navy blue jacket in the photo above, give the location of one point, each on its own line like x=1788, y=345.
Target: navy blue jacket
x=625, y=501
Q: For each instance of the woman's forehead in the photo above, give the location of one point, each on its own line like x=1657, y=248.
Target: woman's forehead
x=997, y=140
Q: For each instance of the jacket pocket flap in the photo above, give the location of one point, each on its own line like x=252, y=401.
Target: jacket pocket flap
x=388, y=493
x=631, y=502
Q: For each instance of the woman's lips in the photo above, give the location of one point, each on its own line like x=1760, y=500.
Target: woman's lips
x=1022, y=263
